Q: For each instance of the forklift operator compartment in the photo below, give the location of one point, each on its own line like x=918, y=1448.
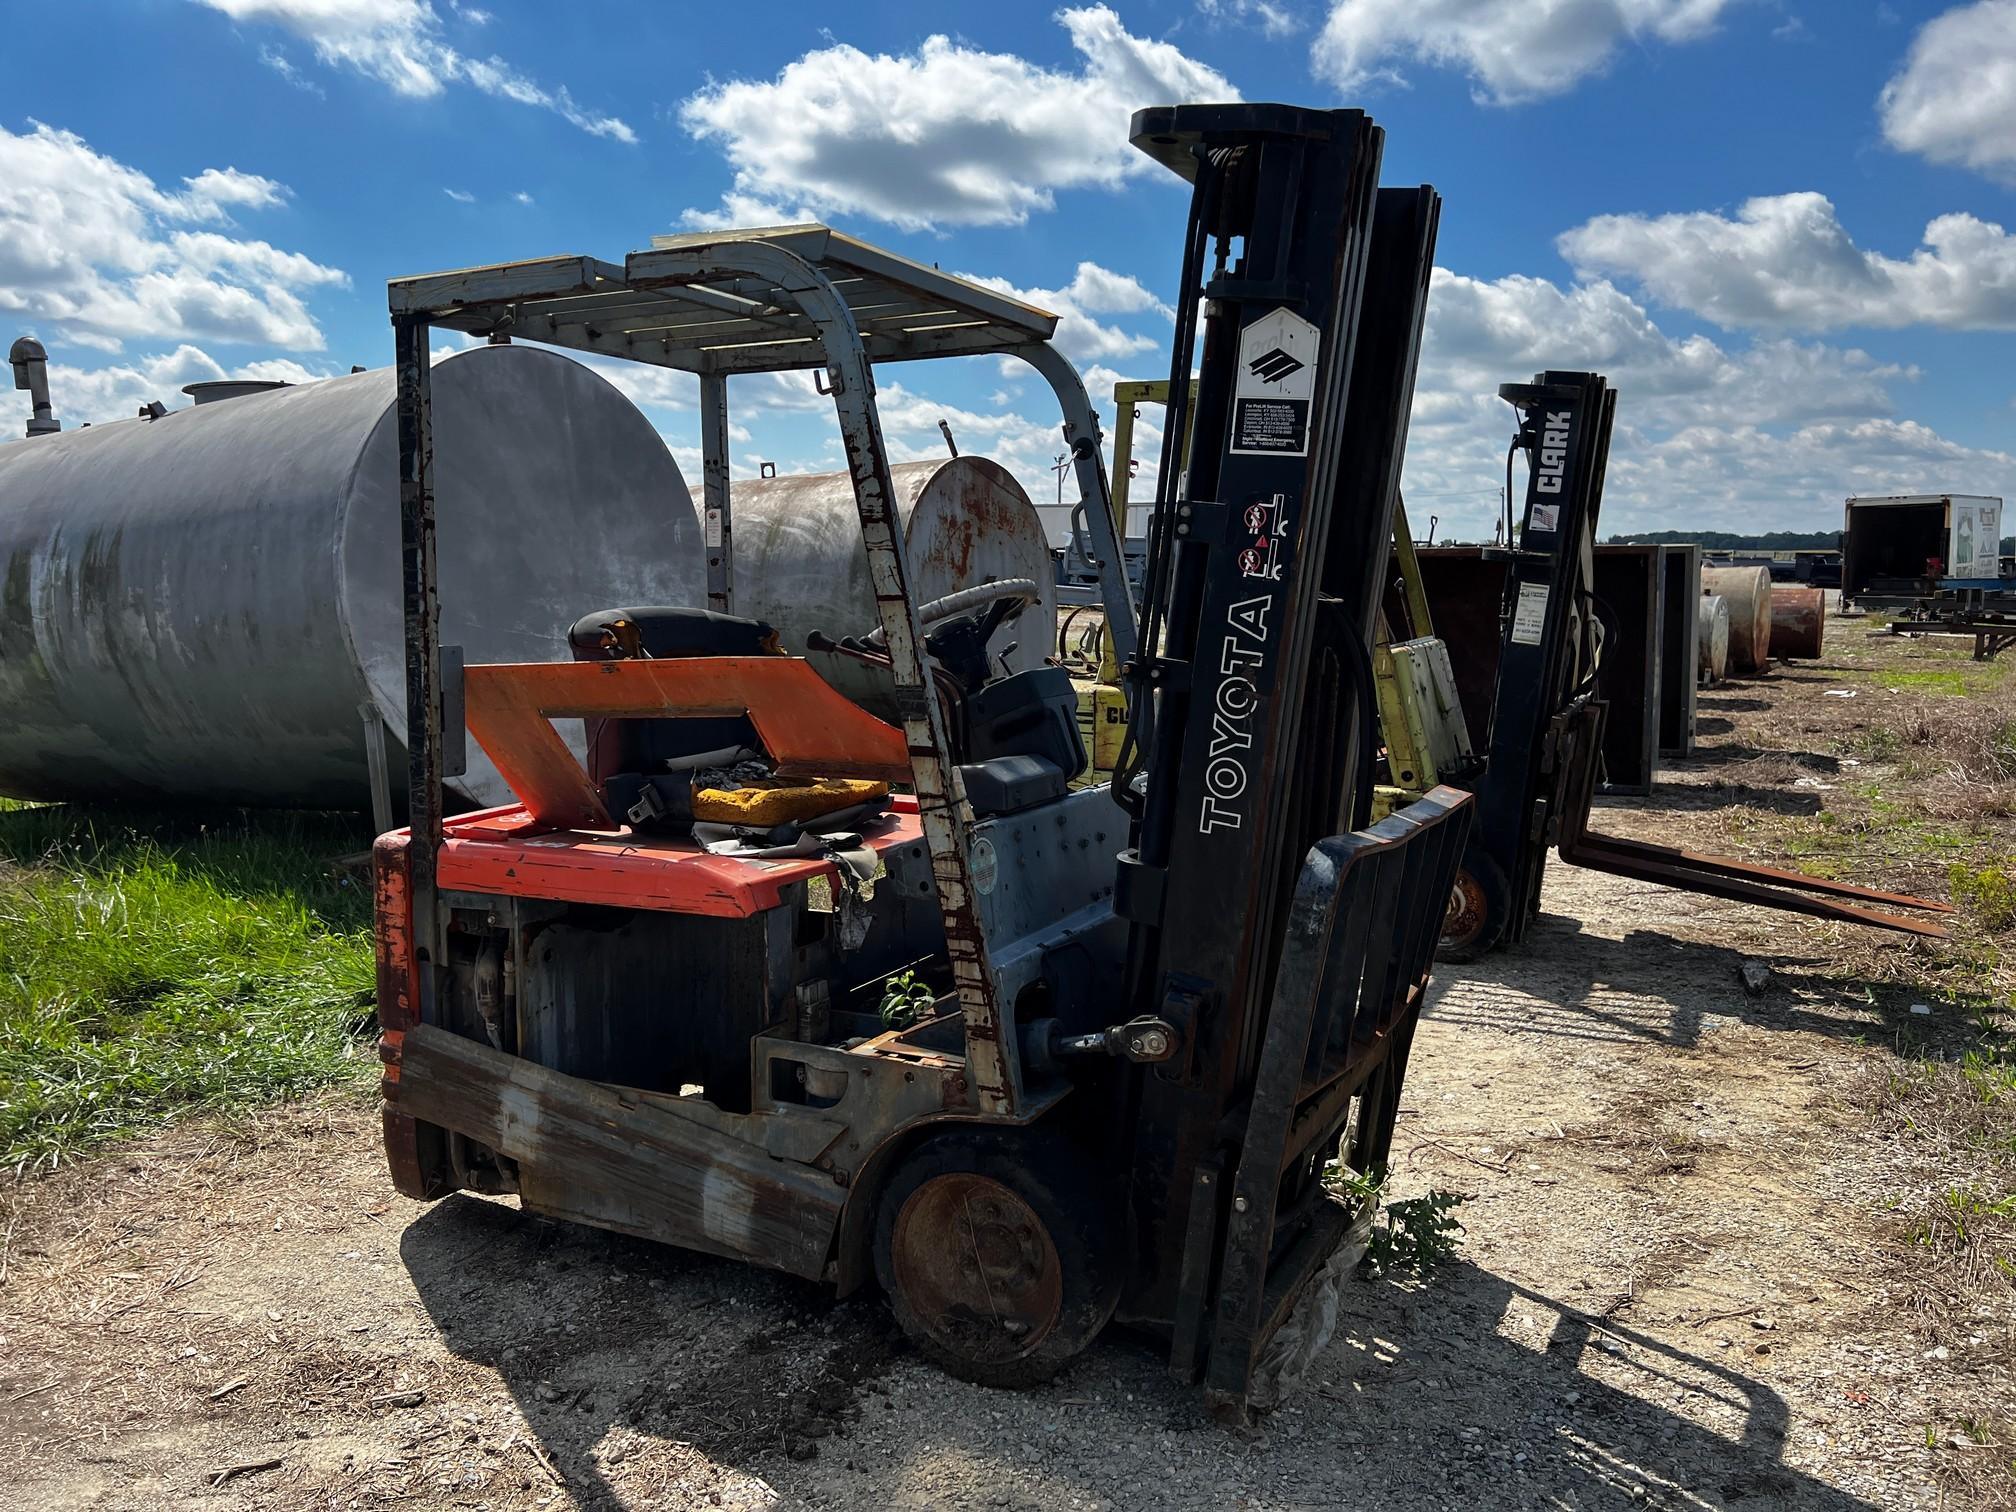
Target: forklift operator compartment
x=841, y=975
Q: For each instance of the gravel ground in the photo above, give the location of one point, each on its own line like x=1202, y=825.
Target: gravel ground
x=1679, y=1288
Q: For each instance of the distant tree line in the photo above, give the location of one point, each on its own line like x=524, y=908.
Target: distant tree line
x=1770, y=540
x=1728, y=540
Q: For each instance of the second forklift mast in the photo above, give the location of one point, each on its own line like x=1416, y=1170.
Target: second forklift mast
x=1252, y=703
x=1550, y=641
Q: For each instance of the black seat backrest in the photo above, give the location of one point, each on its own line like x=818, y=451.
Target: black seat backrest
x=617, y=746
x=1022, y=741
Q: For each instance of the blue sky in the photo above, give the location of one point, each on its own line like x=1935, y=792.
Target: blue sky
x=1776, y=224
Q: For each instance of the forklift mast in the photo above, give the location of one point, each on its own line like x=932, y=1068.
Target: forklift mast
x=1550, y=635
x=1252, y=703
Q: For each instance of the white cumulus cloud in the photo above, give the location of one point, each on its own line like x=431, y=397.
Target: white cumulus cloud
x=1786, y=261
x=118, y=390
x=400, y=44
x=95, y=252
x=1512, y=50
x=1768, y=436
x=1271, y=20
x=948, y=134
x=1954, y=100
x=1092, y=292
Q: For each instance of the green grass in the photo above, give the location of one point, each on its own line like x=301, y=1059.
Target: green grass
x=1953, y=683
x=158, y=964
x=1880, y=829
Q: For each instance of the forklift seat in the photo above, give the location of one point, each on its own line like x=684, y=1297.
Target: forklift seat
x=626, y=756
x=618, y=746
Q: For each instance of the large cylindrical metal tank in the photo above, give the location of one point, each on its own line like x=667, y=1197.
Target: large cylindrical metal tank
x=1713, y=639
x=800, y=564
x=1748, y=590
x=1798, y=622
x=206, y=605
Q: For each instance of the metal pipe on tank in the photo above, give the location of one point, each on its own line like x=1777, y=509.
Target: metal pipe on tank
x=1798, y=622
x=1713, y=640
x=197, y=607
x=31, y=372
x=1748, y=590
x=799, y=562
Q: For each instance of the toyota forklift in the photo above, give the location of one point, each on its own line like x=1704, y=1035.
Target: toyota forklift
x=769, y=977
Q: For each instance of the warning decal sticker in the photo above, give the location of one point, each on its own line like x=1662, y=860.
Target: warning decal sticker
x=1277, y=377
x=1529, y=615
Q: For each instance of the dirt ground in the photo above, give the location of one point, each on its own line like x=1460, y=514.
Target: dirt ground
x=1681, y=1287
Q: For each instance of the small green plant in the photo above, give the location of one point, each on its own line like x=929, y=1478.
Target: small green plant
x=1414, y=1235
x=1420, y=1234
x=1991, y=890
x=906, y=1000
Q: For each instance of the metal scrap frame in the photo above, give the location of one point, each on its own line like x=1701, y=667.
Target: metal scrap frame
x=765, y=301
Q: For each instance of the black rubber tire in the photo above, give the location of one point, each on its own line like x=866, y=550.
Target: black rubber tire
x=1474, y=919
x=1057, y=1185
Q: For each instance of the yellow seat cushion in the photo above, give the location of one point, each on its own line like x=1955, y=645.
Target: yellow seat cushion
x=769, y=801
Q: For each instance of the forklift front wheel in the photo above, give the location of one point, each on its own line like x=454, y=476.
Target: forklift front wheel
x=1474, y=917
x=998, y=1257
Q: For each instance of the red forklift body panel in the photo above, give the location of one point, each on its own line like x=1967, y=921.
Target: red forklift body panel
x=504, y=851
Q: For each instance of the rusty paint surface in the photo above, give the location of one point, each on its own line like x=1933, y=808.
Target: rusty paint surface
x=1748, y=593
x=617, y=1158
x=409, y=1150
x=977, y=1265
x=1743, y=882
x=801, y=566
x=1798, y=622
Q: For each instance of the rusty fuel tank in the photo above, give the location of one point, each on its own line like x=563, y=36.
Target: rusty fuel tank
x=1798, y=622
x=799, y=562
x=1748, y=590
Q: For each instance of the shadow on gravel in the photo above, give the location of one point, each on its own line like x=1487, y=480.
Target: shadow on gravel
x=1692, y=798
x=1656, y=988
x=1510, y=1398
x=1471, y=1391
x=592, y=1332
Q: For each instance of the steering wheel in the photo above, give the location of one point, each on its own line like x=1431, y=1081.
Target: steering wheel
x=999, y=601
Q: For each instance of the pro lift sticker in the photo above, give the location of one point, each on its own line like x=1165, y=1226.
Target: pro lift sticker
x=1277, y=379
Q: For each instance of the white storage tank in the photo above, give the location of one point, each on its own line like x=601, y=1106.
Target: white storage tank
x=204, y=605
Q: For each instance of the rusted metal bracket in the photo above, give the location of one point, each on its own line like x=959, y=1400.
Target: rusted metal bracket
x=1743, y=882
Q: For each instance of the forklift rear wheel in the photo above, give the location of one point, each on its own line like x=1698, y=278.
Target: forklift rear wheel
x=1475, y=914
x=998, y=1256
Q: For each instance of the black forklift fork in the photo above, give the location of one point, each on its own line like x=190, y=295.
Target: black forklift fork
x=1347, y=997
x=1547, y=727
